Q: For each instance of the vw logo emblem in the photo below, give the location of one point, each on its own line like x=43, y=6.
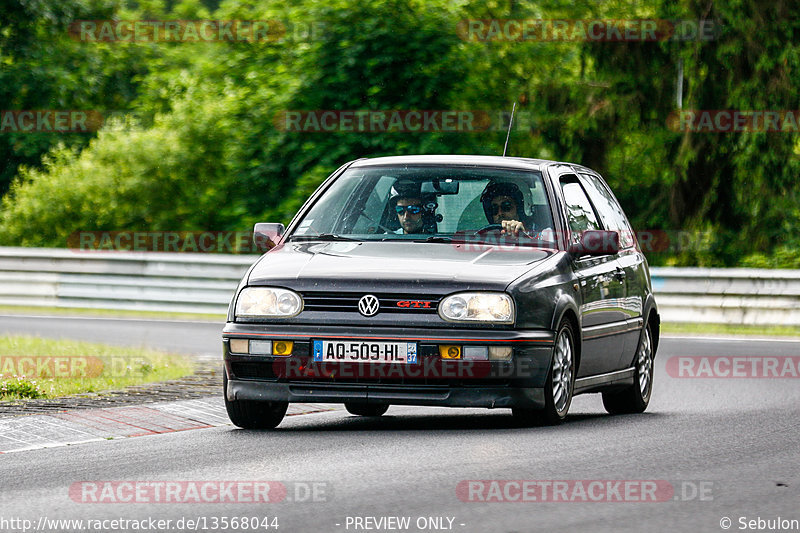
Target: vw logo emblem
x=368, y=305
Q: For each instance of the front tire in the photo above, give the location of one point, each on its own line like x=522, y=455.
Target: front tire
x=559, y=386
x=635, y=398
x=366, y=409
x=251, y=414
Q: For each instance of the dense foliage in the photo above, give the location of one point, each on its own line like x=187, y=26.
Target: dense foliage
x=198, y=144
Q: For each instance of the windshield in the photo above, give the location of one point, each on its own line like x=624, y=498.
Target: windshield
x=442, y=203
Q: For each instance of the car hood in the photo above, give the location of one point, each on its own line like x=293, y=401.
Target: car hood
x=393, y=265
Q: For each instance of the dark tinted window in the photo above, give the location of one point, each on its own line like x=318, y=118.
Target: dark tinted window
x=580, y=214
x=361, y=204
x=609, y=210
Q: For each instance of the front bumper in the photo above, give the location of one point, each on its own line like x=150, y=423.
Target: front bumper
x=432, y=381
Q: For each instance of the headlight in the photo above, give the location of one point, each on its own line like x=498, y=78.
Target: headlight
x=268, y=302
x=478, y=307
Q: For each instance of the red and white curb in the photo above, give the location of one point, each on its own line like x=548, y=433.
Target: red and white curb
x=34, y=432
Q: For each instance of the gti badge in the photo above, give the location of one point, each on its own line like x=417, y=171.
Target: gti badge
x=414, y=303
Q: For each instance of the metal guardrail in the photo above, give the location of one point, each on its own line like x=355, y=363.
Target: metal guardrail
x=192, y=283
x=204, y=283
x=728, y=295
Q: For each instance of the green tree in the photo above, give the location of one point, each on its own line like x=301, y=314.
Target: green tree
x=206, y=151
x=42, y=67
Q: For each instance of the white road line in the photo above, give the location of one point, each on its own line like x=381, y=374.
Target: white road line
x=730, y=339
x=169, y=321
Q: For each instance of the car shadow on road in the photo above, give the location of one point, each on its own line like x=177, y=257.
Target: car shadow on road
x=455, y=422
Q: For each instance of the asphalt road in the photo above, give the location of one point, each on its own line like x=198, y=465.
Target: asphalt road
x=727, y=447
x=186, y=337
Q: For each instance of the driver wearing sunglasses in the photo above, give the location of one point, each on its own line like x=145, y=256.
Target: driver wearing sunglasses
x=503, y=205
x=409, y=214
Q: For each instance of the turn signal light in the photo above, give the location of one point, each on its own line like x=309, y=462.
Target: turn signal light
x=450, y=352
x=282, y=347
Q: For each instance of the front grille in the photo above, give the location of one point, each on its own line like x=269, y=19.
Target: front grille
x=411, y=383
x=253, y=371
x=266, y=371
x=440, y=373
x=389, y=303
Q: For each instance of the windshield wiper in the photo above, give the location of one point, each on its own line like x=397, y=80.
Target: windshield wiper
x=434, y=238
x=320, y=237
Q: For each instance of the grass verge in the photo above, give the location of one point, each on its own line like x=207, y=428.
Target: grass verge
x=107, y=313
x=691, y=328
x=31, y=367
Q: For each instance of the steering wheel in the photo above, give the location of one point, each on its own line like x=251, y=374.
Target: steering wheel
x=487, y=228
x=381, y=226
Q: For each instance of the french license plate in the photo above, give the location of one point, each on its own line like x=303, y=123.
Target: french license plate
x=365, y=352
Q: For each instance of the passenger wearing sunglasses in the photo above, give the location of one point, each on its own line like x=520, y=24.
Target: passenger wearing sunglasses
x=503, y=204
x=409, y=214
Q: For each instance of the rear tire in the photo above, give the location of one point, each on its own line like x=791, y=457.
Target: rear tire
x=251, y=414
x=366, y=409
x=559, y=386
x=635, y=398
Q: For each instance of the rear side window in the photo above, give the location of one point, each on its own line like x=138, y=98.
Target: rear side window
x=580, y=214
x=609, y=210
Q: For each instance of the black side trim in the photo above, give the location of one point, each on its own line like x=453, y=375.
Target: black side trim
x=601, y=381
x=614, y=328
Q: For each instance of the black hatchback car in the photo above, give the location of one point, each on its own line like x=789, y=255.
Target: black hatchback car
x=461, y=281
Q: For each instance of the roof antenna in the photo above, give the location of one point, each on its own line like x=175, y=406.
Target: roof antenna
x=510, y=122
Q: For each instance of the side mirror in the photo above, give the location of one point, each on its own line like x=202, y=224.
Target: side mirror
x=266, y=235
x=596, y=242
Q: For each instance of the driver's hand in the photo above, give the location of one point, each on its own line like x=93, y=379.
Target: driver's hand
x=513, y=227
